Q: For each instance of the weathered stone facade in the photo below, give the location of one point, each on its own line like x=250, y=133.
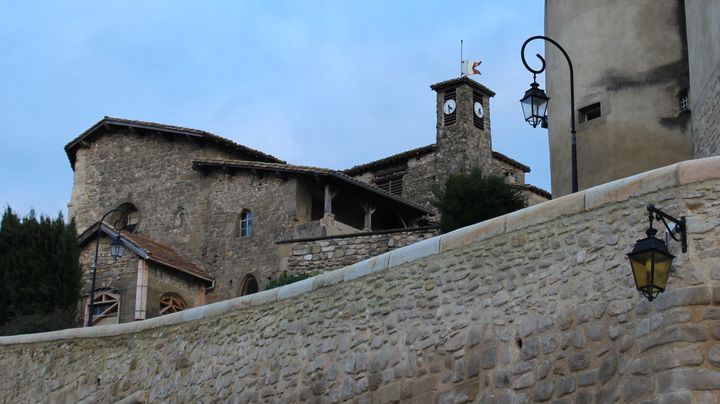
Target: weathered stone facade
x=706, y=121
x=328, y=253
x=537, y=305
x=190, y=194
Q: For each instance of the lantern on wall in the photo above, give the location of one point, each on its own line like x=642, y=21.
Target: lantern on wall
x=650, y=258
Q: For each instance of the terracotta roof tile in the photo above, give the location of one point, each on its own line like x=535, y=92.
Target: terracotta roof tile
x=167, y=256
x=510, y=161
x=390, y=159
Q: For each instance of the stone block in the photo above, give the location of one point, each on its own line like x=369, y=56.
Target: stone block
x=587, y=378
x=388, y=394
x=698, y=170
x=530, y=348
x=266, y=296
x=295, y=289
x=636, y=185
x=414, y=252
x=714, y=355
x=462, y=393
x=683, y=297
x=688, y=379
x=680, y=333
x=524, y=381
x=636, y=387
x=665, y=359
x=544, y=391
x=489, y=357
x=578, y=361
x=608, y=369
x=546, y=211
x=469, y=234
x=678, y=397
x=565, y=386
x=363, y=268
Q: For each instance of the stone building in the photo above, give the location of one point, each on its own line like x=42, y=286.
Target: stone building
x=647, y=86
x=463, y=143
x=207, y=219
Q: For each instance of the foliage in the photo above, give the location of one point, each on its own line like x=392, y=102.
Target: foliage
x=39, y=273
x=470, y=198
x=285, y=279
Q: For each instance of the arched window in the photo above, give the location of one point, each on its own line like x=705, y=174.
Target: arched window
x=249, y=286
x=171, y=303
x=246, y=221
x=129, y=221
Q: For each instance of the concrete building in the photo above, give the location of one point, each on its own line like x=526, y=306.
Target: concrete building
x=208, y=219
x=646, y=86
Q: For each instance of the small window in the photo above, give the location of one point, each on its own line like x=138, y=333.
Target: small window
x=171, y=303
x=246, y=219
x=392, y=185
x=128, y=220
x=684, y=101
x=590, y=112
x=105, y=305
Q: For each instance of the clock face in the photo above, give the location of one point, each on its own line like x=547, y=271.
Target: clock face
x=449, y=107
x=479, y=110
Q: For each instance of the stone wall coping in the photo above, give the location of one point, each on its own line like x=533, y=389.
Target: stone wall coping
x=674, y=175
x=360, y=234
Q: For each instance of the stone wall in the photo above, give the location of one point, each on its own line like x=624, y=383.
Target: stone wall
x=703, y=46
x=537, y=305
x=325, y=253
x=706, y=121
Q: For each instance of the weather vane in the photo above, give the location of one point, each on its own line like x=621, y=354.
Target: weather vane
x=468, y=67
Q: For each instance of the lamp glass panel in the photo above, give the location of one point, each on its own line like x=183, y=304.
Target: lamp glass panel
x=651, y=269
x=527, y=106
x=117, y=249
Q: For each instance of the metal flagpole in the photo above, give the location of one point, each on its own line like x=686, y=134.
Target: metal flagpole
x=461, y=57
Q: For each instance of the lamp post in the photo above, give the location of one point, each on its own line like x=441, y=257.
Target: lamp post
x=650, y=258
x=535, y=101
x=116, y=251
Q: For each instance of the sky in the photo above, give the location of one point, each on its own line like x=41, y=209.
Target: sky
x=322, y=83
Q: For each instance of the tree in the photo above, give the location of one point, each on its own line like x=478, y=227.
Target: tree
x=39, y=273
x=470, y=198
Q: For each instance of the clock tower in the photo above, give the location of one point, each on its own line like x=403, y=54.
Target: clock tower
x=463, y=128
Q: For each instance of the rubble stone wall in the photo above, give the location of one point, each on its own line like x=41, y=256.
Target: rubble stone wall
x=325, y=254
x=537, y=305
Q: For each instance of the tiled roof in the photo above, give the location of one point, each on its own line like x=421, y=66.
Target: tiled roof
x=452, y=83
x=150, y=250
x=390, y=159
x=512, y=162
x=397, y=158
x=536, y=190
x=222, y=142
x=305, y=170
x=167, y=256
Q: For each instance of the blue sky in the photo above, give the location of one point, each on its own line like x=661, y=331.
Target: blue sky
x=323, y=83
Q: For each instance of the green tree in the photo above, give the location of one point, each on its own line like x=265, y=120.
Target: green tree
x=39, y=273
x=471, y=198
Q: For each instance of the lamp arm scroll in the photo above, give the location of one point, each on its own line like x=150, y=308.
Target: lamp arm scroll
x=681, y=228
x=572, y=96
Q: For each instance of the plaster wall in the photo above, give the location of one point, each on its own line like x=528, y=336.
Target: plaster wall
x=703, y=32
x=631, y=57
x=537, y=305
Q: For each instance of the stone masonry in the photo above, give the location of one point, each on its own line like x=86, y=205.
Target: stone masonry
x=538, y=305
x=326, y=253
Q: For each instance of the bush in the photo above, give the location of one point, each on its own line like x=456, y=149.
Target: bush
x=285, y=279
x=471, y=198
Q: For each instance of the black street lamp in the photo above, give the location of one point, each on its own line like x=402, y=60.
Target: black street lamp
x=534, y=102
x=650, y=258
x=116, y=251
